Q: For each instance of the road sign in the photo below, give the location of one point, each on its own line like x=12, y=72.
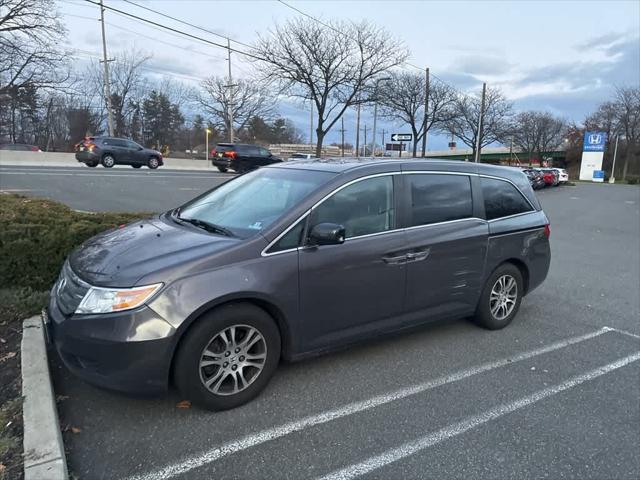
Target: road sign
x=401, y=137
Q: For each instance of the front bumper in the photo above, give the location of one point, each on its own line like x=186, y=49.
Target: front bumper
x=128, y=351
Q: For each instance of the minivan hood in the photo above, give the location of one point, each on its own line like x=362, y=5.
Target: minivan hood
x=122, y=256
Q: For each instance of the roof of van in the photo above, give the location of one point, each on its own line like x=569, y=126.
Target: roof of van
x=343, y=164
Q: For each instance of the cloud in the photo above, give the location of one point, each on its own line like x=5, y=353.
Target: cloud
x=482, y=65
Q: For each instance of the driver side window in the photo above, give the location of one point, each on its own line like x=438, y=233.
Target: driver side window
x=362, y=208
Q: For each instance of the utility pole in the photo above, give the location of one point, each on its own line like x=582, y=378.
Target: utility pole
x=384, y=145
x=426, y=109
x=230, y=86
x=107, y=86
x=342, y=133
x=511, y=150
x=358, y=132
x=364, y=145
x=311, y=124
x=480, y=120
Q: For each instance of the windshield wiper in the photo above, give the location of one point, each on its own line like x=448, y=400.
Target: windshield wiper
x=208, y=226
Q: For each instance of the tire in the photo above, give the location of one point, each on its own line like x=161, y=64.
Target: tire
x=499, y=317
x=92, y=164
x=108, y=160
x=136, y=166
x=153, y=163
x=223, y=169
x=207, y=334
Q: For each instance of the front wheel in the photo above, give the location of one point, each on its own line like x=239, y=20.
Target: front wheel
x=500, y=299
x=227, y=357
x=153, y=163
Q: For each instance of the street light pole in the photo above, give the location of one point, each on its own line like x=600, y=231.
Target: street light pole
x=612, y=178
x=107, y=87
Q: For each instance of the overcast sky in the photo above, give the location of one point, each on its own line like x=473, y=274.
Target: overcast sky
x=564, y=57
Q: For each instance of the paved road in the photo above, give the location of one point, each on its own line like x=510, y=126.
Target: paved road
x=117, y=189
x=554, y=395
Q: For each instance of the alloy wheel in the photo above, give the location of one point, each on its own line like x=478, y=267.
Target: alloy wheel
x=503, y=297
x=232, y=360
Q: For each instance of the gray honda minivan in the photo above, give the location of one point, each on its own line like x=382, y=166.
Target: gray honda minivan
x=293, y=260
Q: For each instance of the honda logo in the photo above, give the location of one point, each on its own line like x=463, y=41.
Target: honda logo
x=595, y=139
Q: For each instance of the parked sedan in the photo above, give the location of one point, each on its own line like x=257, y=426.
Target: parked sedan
x=535, y=178
x=292, y=260
x=110, y=151
x=563, y=176
x=550, y=176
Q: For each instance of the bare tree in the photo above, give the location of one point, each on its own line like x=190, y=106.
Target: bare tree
x=246, y=99
x=537, y=132
x=30, y=35
x=402, y=98
x=333, y=63
x=627, y=103
x=463, y=123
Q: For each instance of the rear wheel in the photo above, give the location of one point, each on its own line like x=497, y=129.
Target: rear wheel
x=227, y=357
x=223, y=169
x=92, y=164
x=500, y=298
x=153, y=163
x=108, y=160
x=136, y=166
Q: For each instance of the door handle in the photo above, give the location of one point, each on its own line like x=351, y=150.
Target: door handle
x=395, y=260
x=417, y=256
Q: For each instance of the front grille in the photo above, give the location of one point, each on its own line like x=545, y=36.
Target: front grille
x=69, y=290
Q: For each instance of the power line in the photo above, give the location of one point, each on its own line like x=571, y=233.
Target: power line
x=315, y=19
x=226, y=37
x=175, y=30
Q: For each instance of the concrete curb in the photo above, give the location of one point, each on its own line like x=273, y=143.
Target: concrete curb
x=44, y=457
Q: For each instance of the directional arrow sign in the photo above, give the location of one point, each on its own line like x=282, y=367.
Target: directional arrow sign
x=401, y=137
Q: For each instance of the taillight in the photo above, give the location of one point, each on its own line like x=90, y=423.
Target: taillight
x=91, y=146
x=34, y=149
x=230, y=154
x=547, y=231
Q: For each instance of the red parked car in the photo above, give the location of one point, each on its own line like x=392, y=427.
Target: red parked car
x=550, y=177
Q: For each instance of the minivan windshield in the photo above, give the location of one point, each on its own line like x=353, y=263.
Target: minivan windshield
x=252, y=202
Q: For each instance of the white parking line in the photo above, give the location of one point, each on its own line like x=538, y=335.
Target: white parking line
x=273, y=433
x=469, y=423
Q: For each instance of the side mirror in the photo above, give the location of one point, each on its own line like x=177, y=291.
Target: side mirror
x=327, y=234
x=140, y=148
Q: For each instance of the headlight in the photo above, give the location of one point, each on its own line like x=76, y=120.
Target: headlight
x=106, y=300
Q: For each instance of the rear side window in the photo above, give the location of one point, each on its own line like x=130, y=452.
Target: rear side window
x=439, y=198
x=264, y=152
x=502, y=199
x=251, y=151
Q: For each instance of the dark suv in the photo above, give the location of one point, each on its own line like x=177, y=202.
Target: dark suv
x=241, y=157
x=110, y=151
x=292, y=260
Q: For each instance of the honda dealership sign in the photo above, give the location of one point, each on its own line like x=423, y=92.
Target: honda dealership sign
x=592, y=153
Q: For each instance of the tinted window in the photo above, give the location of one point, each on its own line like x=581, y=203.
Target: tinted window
x=133, y=145
x=363, y=208
x=224, y=147
x=502, y=199
x=292, y=239
x=251, y=151
x=439, y=198
x=264, y=152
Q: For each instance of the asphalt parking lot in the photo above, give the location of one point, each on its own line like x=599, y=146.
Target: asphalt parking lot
x=554, y=395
